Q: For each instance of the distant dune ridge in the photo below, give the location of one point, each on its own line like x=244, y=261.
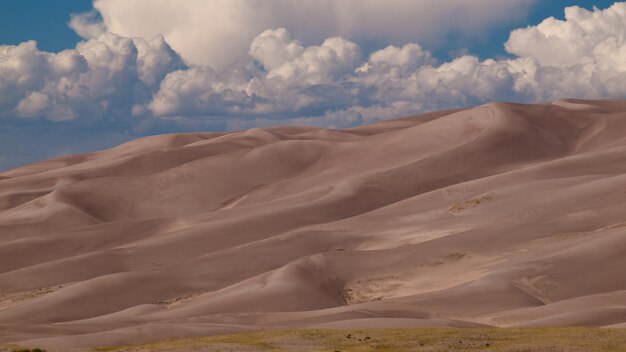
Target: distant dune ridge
x=501, y=215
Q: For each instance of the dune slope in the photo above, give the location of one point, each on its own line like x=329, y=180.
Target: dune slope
x=501, y=215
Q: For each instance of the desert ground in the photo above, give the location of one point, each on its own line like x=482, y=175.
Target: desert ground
x=502, y=215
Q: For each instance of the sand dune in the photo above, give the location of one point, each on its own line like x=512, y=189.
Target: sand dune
x=500, y=215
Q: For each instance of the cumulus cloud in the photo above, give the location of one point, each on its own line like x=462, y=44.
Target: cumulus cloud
x=582, y=56
x=582, y=35
x=278, y=76
x=273, y=48
x=285, y=59
x=103, y=76
x=292, y=80
x=218, y=32
x=87, y=25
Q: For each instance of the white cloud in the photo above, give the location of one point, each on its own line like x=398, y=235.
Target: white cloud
x=218, y=32
x=583, y=56
x=328, y=80
x=279, y=77
x=21, y=67
x=405, y=59
x=200, y=92
x=326, y=63
x=87, y=25
x=34, y=104
x=102, y=76
x=582, y=36
x=273, y=48
x=295, y=80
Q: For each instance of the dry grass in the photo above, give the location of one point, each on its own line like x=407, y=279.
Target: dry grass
x=387, y=340
x=470, y=203
x=14, y=298
x=15, y=348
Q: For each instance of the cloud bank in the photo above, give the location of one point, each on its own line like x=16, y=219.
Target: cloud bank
x=102, y=77
x=218, y=32
x=134, y=83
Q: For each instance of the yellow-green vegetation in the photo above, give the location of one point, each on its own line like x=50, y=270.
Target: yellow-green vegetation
x=470, y=203
x=32, y=294
x=383, y=340
x=15, y=348
x=25, y=296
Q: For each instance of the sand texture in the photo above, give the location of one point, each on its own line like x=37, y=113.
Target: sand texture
x=501, y=215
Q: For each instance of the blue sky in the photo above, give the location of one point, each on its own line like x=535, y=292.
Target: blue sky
x=41, y=20
x=199, y=65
